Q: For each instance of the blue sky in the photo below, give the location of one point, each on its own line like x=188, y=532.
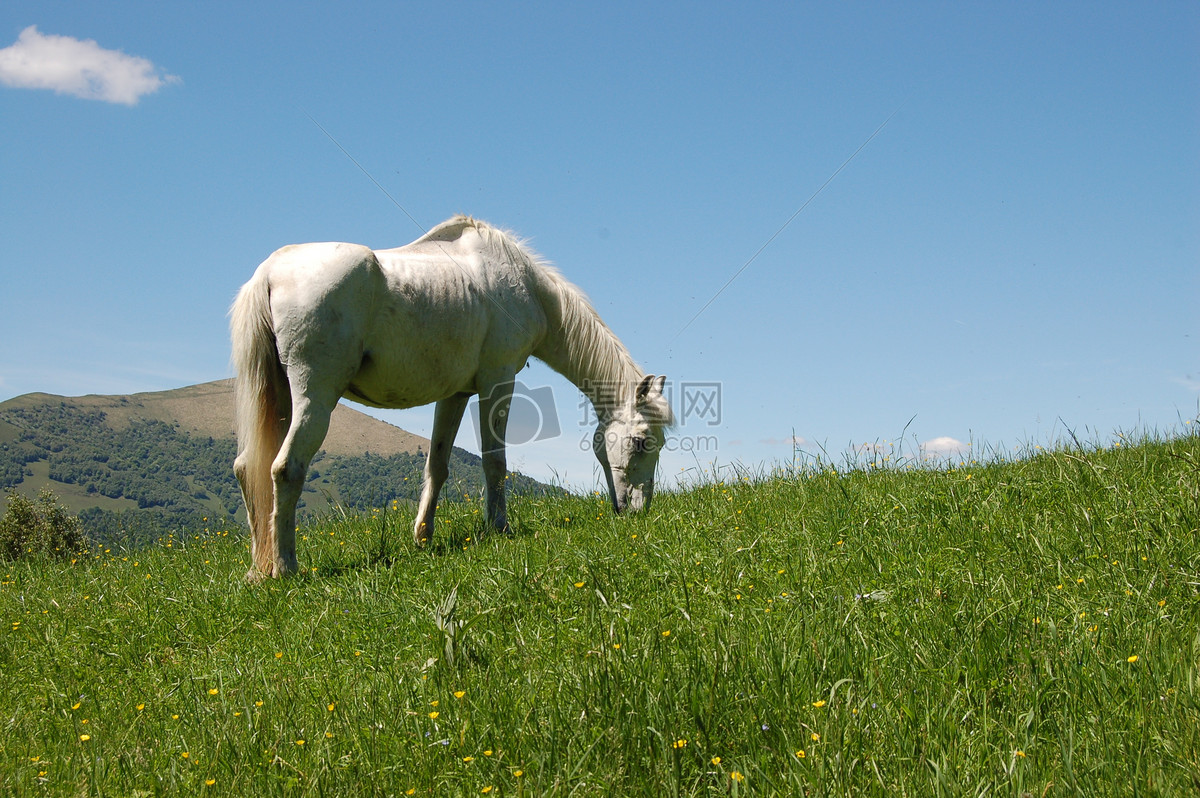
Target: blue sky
x=1015, y=254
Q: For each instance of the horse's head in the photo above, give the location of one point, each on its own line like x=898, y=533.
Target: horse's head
x=627, y=444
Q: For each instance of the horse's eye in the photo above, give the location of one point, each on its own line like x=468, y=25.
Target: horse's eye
x=639, y=445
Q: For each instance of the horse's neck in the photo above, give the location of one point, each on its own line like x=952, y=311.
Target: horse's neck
x=581, y=347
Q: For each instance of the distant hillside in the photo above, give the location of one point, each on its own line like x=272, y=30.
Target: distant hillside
x=207, y=410
x=135, y=466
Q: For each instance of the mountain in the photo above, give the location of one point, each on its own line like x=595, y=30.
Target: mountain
x=135, y=466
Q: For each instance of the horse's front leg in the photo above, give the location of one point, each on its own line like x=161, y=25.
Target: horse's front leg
x=446, y=418
x=493, y=423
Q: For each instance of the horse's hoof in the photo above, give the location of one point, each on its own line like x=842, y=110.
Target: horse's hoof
x=255, y=576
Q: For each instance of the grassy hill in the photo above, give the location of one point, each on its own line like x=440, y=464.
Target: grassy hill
x=1022, y=628
x=137, y=466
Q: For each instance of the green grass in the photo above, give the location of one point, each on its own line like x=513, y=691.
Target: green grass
x=1021, y=628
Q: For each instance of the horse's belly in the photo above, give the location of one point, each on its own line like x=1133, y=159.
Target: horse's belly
x=412, y=375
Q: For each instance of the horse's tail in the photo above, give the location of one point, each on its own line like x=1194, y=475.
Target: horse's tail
x=263, y=408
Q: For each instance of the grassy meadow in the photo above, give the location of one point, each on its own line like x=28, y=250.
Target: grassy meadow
x=1009, y=628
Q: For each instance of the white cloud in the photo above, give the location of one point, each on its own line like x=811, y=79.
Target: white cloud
x=79, y=68
x=943, y=448
x=791, y=440
x=1189, y=382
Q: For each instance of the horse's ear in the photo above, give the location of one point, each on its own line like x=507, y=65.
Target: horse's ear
x=650, y=399
x=651, y=386
x=646, y=386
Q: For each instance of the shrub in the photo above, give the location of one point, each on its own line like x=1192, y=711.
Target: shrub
x=38, y=529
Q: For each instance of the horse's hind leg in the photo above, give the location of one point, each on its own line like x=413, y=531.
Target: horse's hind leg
x=310, y=422
x=446, y=418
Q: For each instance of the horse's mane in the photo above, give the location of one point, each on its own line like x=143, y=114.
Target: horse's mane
x=596, y=360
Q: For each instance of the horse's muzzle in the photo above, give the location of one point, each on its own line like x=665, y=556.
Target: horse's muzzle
x=634, y=500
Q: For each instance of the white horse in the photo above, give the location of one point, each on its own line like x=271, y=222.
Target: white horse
x=457, y=312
